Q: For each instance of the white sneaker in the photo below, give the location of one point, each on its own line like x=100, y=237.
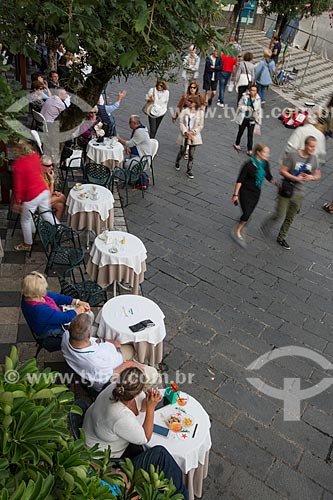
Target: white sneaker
x=220, y=104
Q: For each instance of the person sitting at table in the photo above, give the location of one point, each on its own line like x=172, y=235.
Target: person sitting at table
x=87, y=130
x=112, y=421
x=38, y=77
x=36, y=97
x=139, y=144
x=105, y=114
x=58, y=200
x=54, y=105
x=98, y=360
x=53, y=82
x=42, y=311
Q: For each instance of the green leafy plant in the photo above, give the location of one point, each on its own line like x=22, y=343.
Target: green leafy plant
x=39, y=458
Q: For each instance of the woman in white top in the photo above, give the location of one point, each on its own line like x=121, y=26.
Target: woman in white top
x=159, y=96
x=112, y=421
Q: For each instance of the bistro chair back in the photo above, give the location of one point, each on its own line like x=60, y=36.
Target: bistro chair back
x=60, y=245
x=41, y=122
x=86, y=290
x=119, y=175
x=154, y=149
x=95, y=173
x=75, y=420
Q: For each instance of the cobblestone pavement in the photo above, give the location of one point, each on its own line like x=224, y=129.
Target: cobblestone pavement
x=225, y=306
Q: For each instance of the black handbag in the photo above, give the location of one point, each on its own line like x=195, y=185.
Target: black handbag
x=286, y=188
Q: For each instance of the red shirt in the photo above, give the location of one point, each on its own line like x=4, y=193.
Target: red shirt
x=228, y=63
x=28, y=178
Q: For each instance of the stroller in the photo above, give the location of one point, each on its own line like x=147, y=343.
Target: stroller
x=285, y=76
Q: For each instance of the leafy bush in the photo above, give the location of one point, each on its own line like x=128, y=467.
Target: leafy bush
x=39, y=458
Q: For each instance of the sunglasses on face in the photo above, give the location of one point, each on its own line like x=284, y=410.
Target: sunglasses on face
x=195, y=88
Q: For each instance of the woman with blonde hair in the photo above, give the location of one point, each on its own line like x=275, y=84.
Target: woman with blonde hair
x=30, y=191
x=263, y=73
x=58, y=200
x=42, y=310
x=158, y=96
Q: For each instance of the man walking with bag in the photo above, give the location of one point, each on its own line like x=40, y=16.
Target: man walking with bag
x=297, y=168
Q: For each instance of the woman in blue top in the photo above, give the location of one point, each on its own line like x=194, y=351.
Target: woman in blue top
x=263, y=74
x=248, y=187
x=42, y=312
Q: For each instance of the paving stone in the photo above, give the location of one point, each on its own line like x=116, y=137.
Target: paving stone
x=197, y=331
x=256, y=406
x=245, y=486
x=317, y=470
x=303, y=434
x=163, y=296
x=293, y=484
x=240, y=451
x=192, y=347
x=172, y=269
x=318, y=419
x=270, y=441
x=167, y=282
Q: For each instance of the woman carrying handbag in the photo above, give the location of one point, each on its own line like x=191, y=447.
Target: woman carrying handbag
x=156, y=106
x=244, y=75
x=249, y=115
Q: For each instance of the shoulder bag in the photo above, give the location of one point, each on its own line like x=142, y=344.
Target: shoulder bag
x=286, y=188
x=148, y=106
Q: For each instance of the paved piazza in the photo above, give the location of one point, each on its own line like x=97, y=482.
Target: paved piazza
x=226, y=306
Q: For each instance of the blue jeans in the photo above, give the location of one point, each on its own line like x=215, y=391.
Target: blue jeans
x=224, y=78
x=262, y=91
x=159, y=456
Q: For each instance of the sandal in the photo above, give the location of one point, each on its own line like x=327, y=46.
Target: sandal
x=249, y=153
x=327, y=208
x=22, y=247
x=238, y=148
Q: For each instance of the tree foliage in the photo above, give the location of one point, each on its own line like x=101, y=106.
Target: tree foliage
x=295, y=8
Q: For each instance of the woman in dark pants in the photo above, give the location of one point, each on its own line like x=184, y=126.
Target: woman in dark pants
x=248, y=114
x=158, y=96
x=248, y=188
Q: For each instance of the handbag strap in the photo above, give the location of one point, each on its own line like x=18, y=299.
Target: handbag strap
x=247, y=75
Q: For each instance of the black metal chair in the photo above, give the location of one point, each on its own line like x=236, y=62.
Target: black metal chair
x=86, y=290
x=71, y=165
x=136, y=170
x=120, y=175
x=95, y=173
x=61, y=245
x=75, y=420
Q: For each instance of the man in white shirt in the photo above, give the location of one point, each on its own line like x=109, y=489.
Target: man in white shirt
x=54, y=105
x=98, y=360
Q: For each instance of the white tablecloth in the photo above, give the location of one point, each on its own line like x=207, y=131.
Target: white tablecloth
x=104, y=152
x=125, y=310
x=102, y=205
x=191, y=454
x=131, y=254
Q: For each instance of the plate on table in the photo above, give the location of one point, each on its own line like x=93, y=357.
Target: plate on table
x=187, y=421
x=83, y=196
x=174, y=422
x=78, y=187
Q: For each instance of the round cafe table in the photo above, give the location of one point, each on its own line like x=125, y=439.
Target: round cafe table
x=126, y=310
x=89, y=213
x=189, y=448
x=106, y=153
x=127, y=265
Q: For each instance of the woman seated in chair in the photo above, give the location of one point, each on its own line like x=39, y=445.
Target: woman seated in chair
x=42, y=311
x=87, y=131
x=58, y=200
x=112, y=421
